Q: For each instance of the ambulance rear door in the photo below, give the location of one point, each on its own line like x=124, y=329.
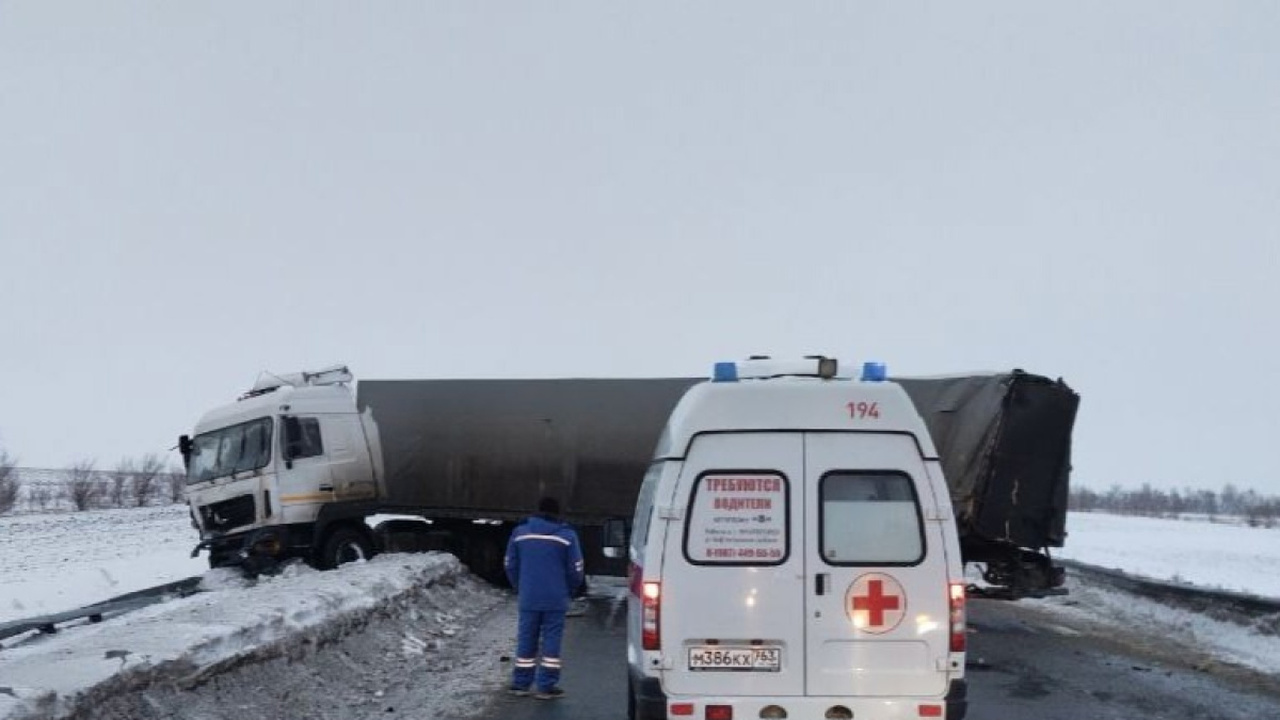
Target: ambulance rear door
x=732, y=613
x=877, y=597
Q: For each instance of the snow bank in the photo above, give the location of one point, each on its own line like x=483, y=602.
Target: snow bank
x=185, y=640
x=1255, y=647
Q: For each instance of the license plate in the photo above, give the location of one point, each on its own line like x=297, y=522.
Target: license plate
x=749, y=658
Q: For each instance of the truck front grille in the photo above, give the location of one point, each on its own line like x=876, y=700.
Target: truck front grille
x=228, y=514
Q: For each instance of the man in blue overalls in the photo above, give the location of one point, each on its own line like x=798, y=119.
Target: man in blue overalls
x=544, y=565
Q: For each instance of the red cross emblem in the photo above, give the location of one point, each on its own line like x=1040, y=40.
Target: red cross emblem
x=875, y=603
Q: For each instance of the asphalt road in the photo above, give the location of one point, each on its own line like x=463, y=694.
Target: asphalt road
x=1023, y=663
x=595, y=671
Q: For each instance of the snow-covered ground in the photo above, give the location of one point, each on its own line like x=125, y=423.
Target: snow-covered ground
x=62, y=561
x=1221, y=555
x=51, y=562
x=1214, y=555
x=68, y=560
x=1111, y=612
x=1217, y=555
x=184, y=641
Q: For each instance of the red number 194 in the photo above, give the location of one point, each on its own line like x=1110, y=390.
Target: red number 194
x=862, y=410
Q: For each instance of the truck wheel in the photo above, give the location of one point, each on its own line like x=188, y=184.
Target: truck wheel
x=345, y=544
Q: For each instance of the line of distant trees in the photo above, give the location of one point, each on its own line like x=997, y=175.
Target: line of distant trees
x=1257, y=510
x=132, y=482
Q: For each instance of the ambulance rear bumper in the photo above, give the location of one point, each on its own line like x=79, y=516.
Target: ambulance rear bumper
x=954, y=704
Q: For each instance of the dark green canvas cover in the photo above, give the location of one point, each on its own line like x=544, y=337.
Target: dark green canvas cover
x=1005, y=444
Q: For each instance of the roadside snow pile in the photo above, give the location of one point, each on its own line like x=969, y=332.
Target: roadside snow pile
x=1196, y=633
x=232, y=622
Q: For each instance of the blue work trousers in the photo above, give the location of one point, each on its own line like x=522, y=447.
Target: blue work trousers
x=538, y=634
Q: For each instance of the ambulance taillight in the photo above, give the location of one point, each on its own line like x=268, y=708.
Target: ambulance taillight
x=957, y=617
x=650, y=616
x=719, y=712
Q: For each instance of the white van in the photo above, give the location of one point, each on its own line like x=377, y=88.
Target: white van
x=794, y=554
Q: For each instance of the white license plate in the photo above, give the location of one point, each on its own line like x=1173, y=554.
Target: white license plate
x=741, y=658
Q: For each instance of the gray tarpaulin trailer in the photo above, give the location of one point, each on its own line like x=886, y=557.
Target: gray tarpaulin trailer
x=469, y=451
x=492, y=448
x=476, y=455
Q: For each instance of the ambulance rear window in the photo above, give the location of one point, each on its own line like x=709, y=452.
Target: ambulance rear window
x=870, y=518
x=738, y=518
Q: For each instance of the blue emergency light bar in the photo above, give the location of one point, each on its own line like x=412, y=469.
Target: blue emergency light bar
x=874, y=372
x=725, y=372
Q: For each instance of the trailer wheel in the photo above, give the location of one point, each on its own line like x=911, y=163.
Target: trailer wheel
x=345, y=544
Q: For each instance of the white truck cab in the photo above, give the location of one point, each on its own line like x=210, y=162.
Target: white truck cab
x=794, y=554
x=261, y=471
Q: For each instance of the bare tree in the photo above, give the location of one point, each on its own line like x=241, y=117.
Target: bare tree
x=177, y=484
x=82, y=487
x=1230, y=500
x=145, y=479
x=1263, y=513
x=39, y=496
x=10, y=485
x=1271, y=513
x=120, y=479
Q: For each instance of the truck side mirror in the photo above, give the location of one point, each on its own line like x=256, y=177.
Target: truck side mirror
x=184, y=447
x=613, y=538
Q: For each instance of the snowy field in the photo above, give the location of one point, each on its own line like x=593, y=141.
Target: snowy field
x=62, y=561
x=1215, y=555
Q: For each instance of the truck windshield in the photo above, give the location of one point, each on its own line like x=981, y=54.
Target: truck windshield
x=234, y=449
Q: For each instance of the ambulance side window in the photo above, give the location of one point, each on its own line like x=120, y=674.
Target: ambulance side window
x=870, y=518
x=644, y=509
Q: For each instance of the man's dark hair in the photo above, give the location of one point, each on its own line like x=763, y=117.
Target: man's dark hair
x=549, y=506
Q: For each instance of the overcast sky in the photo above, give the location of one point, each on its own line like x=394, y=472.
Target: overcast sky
x=191, y=193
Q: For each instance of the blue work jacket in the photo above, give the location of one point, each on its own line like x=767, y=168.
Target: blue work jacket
x=544, y=563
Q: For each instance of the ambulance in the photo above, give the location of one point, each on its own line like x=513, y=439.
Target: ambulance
x=794, y=554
